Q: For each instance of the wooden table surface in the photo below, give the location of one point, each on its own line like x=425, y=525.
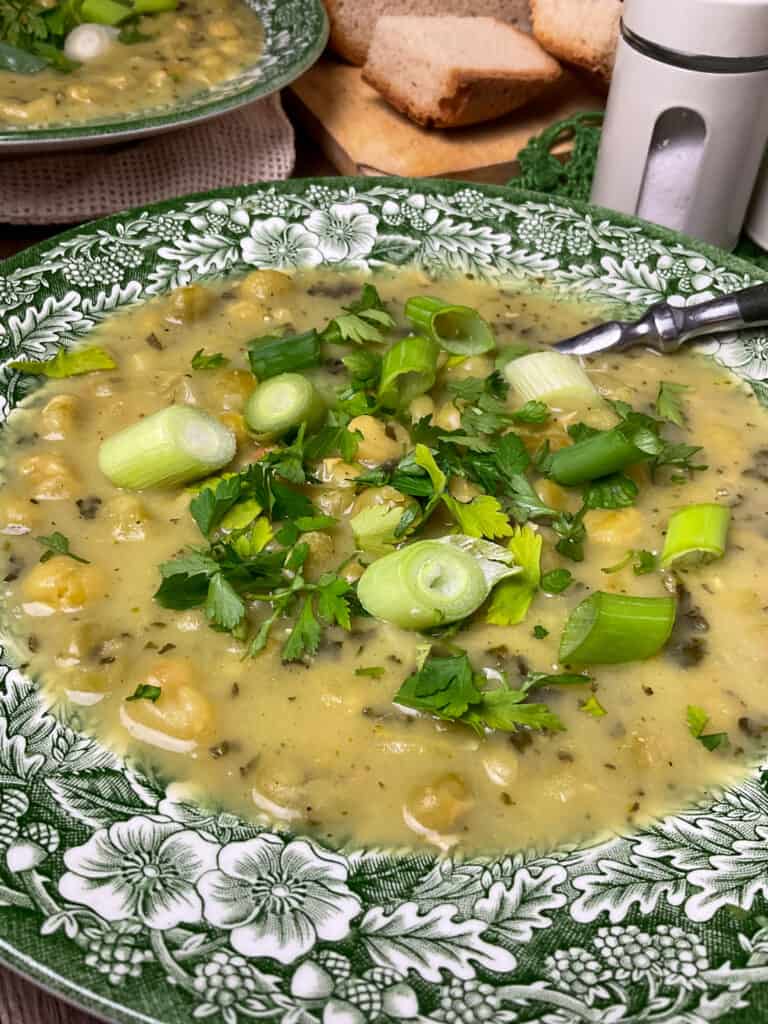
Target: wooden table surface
x=20, y=1001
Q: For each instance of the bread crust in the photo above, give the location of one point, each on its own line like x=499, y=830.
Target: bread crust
x=340, y=41
x=548, y=31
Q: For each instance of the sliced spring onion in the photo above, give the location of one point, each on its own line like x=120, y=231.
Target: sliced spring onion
x=550, y=377
x=154, y=6
x=593, y=458
x=20, y=62
x=459, y=330
x=168, y=448
x=88, y=42
x=282, y=403
x=423, y=585
x=607, y=629
x=432, y=582
x=409, y=369
x=104, y=12
x=695, y=534
x=272, y=355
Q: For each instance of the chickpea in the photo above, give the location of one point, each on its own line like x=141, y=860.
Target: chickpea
x=463, y=490
x=245, y=312
x=233, y=388
x=128, y=517
x=421, y=407
x=17, y=516
x=82, y=93
x=58, y=417
x=235, y=422
x=263, y=285
x=279, y=786
x=501, y=768
x=222, y=28
x=377, y=445
x=61, y=585
x=321, y=546
x=472, y=366
x=181, y=712
x=336, y=471
x=159, y=79
x=621, y=526
x=553, y=494
x=189, y=303
x=439, y=806
x=48, y=477
x=447, y=417
x=371, y=496
x=183, y=25
x=231, y=48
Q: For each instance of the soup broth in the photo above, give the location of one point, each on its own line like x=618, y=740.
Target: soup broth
x=317, y=743
x=182, y=52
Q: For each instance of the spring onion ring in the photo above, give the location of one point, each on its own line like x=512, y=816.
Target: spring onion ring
x=696, y=534
x=409, y=369
x=459, y=330
x=280, y=404
x=607, y=629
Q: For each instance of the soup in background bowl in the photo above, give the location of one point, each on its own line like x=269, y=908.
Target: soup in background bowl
x=148, y=63
x=340, y=554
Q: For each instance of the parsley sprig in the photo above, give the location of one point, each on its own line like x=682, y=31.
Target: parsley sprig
x=450, y=689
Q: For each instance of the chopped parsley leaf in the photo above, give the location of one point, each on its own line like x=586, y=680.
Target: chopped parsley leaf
x=57, y=544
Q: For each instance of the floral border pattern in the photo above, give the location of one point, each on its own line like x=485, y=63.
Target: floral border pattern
x=103, y=871
x=295, y=33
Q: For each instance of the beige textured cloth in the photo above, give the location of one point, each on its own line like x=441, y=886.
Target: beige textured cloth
x=255, y=143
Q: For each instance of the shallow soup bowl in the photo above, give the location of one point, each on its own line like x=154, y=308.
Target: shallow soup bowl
x=140, y=907
x=294, y=35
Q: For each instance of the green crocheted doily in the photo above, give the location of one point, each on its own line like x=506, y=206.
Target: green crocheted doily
x=541, y=171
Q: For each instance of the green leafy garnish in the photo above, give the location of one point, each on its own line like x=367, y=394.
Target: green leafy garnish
x=593, y=707
x=223, y=605
x=215, y=500
x=615, y=491
x=201, y=361
x=668, y=403
x=449, y=689
x=304, y=638
x=483, y=516
x=539, y=632
x=642, y=562
x=145, y=691
x=698, y=719
x=556, y=580
x=512, y=597
x=57, y=544
x=372, y=671
x=365, y=320
x=67, y=363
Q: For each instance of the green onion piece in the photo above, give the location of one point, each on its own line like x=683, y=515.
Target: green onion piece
x=104, y=12
x=280, y=404
x=271, y=355
x=550, y=377
x=166, y=449
x=154, y=6
x=423, y=585
x=20, y=62
x=593, y=458
x=458, y=329
x=606, y=629
x=696, y=534
x=409, y=369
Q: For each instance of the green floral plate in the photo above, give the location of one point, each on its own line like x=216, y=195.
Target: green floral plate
x=144, y=909
x=295, y=34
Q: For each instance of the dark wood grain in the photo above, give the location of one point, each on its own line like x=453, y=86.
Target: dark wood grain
x=21, y=1002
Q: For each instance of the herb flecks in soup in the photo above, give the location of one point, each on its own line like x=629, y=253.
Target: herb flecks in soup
x=73, y=62
x=371, y=561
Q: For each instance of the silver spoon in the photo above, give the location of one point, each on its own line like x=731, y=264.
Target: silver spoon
x=665, y=328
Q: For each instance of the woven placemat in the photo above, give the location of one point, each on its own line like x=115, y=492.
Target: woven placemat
x=255, y=143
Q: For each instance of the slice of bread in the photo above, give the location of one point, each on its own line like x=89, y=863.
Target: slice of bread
x=581, y=32
x=446, y=72
x=353, y=21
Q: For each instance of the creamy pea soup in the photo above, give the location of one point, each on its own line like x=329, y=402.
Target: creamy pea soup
x=301, y=639
x=165, y=58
